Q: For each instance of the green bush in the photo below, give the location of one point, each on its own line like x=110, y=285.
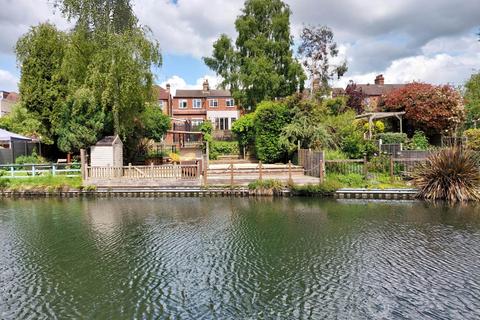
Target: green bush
x=473, y=139
x=4, y=182
x=335, y=155
x=225, y=147
x=244, y=130
x=327, y=187
x=268, y=184
x=352, y=180
x=419, y=141
x=270, y=118
x=393, y=137
x=34, y=158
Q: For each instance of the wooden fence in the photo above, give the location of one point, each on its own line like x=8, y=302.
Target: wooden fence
x=170, y=171
x=397, y=167
x=311, y=161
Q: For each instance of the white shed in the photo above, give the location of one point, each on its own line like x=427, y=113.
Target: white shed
x=107, y=152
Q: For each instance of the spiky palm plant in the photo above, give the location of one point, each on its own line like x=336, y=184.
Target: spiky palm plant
x=450, y=174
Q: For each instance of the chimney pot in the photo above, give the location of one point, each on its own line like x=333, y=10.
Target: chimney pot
x=168, y=87
x=380, y=80
x=206, y=86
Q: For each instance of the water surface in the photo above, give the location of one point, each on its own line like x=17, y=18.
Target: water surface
x=221, y=258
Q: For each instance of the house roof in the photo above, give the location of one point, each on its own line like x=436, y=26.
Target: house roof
x=8, y=136
x=10, y=96
x=202, y=94
x=160, y=93
x=108, y=141
x=378, y=89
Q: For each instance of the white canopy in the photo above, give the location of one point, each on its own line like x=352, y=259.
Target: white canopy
x=9, y=136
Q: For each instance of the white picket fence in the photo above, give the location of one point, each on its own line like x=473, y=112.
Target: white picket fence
x=20, y=171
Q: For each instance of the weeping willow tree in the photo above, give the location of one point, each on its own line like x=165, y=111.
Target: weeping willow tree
x=93, y=80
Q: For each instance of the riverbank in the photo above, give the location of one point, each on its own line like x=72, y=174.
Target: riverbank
x=58, y=186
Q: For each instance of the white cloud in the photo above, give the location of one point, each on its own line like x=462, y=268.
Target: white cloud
x=442, y=60
x=177, y=82
x=190, y=26
x=8, y=81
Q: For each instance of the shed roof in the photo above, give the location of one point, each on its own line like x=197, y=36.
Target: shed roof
x=108, y=141
x=8, y=136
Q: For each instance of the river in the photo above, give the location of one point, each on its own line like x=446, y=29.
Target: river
x=222, y=258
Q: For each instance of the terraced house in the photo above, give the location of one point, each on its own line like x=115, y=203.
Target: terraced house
x=196, y=106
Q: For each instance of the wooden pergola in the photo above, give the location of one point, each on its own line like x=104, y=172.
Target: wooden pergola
x=371, y=116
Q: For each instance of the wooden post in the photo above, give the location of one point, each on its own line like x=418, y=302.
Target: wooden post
x=321, y=172
x=130, y=170
x=83, y=164
x=391, y=168
x=33, y=170
x=231, y=175
x=54, y=170
x=365, y=169
x=290, y=180
x=260, y=173
x=205, y=178
x=207, y=151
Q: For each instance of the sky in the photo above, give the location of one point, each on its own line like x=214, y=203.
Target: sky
x=405, y=40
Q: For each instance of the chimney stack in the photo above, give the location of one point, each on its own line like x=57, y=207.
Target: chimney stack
x=168, y=87
x=206, y=86
x=380, y=79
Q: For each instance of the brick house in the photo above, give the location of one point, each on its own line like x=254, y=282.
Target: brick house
x=164, y=98
x=7, y=100
x=373, y=92
x=196, y=106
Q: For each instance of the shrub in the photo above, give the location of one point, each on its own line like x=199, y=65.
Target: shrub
x=175, y=157
x=268, y=184
x=270, y=118
x=335, y=155
x=244, y=130
x=225, y=147
x=473, y=139
x=451, y=174
x=393, y=137
x=327, y=187
x=419, y=141
x=34, y=158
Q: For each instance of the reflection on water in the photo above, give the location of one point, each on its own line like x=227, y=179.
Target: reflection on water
x=200, y=258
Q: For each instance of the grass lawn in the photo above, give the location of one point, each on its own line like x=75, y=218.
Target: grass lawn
x=42, y=183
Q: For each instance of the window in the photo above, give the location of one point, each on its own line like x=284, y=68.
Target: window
x=182, y=104
x=197, y=103
x=161, y=104
x=196, y=123
x=221, y=124
x=213, y=103
x=230, y=103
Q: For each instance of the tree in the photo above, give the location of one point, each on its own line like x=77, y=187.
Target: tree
x=317, y=50
x=155, y=122
x=260, y=66
x=472, y=100
x=434, y=109
x=107, y=56
x=270, y=118
x=23, y=122
x=43, y=88
x=244, y=130
x=355, y=97
x=83, y=121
